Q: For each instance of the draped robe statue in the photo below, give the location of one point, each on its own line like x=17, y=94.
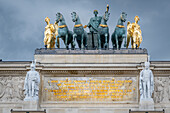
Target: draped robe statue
x=93, y=27
x=51, y=31
x=146, y=85
x=31, y=84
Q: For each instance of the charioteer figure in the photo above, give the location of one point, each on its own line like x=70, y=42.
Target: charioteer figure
x=93, y=27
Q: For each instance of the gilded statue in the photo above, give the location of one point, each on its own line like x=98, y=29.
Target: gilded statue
x=134, y=33
x=51, y=31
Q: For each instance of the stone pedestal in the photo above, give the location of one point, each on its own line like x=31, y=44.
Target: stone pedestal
x=91, y=56
x=146, y=104
x=31, y=105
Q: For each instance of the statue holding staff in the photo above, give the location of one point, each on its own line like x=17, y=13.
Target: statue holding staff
x=93, y=26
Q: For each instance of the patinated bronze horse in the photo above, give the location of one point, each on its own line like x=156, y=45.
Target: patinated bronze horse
x=119, y=33
x=103, y=32
x=63, y=32
x=79, y=33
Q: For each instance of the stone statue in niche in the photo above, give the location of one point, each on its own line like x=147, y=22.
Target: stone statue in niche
x=31, y=85
x=146, y=85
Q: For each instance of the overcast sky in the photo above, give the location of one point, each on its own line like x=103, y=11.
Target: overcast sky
x=22, y=23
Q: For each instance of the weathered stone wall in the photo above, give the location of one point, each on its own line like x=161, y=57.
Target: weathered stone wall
x=12, y=75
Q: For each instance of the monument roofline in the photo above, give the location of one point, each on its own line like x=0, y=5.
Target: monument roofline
x=91, y=56
x=78, y=51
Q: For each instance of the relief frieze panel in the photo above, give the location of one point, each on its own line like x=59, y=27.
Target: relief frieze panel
x=11, y=88
x=162, y=90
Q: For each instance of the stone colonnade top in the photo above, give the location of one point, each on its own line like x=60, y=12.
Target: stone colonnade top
x=91, y=56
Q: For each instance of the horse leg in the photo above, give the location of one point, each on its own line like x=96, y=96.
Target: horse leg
x=85, y=40
x=124, y=38
x=72, y=45
x=128, y=40
x=99, y=42
x=132, y=42
x=57, y=41
x=120, y=44
x=135, y=40
x=82, y=39
x=117, y=42
x=66, y=41
x=140, y=40
x=113, y=40
x=79, y=41
x=74, y=39
x=106, y=44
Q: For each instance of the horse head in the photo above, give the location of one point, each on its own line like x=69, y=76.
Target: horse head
x=74, y=16
x=59, y=17
x=106, y=16
x=123, y=17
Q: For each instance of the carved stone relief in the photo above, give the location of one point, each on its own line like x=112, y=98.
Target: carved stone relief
x=11, y=88
x=162, y=90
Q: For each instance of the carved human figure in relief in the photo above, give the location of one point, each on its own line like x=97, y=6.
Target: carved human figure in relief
x=146, y=85
x=159, y=90
x=31, y=84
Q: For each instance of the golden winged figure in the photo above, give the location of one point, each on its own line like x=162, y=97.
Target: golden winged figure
x=134, y=33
